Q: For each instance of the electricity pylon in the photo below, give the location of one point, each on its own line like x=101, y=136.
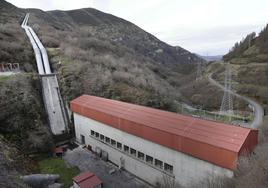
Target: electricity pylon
x=199, y=71
x=227, y=100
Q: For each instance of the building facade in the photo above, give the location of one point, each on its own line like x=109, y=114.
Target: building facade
x=153, y=144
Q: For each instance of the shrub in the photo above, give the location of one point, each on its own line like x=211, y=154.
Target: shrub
x=50, y=42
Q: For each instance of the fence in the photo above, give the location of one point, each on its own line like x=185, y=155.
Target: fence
x=238, y=118
x=9, y=67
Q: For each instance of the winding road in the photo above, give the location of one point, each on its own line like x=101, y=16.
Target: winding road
x=257, y=108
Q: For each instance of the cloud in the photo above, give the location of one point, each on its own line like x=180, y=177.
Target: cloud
x=201, y=26
x=213, y=41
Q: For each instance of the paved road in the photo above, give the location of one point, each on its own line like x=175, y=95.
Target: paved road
x=257, y=108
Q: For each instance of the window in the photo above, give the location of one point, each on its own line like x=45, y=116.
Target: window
x=97, y=135
x=126, y=149
x=133, y=152
x=119, y=145
x=158, y=163
x=102, y=137
x=140, y=155
x=107, y=140
x=92, y=132
x=149, y=159
x=113, y=142
x=168, y=168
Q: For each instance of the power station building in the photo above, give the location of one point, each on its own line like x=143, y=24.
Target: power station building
x=153, y=144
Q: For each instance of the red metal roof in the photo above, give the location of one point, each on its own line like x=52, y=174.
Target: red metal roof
x=212, y=141
x=87, y=180
x=58, y=150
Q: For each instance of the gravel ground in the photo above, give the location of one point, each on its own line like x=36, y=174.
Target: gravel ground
x=85, y=160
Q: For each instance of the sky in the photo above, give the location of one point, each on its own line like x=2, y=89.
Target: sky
x=206, y=27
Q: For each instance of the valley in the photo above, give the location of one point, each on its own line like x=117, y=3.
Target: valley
x=94, y=53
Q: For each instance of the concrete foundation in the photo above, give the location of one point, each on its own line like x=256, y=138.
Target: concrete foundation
x=54, y=104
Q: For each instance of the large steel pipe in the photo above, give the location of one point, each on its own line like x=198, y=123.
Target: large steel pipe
x=37, y=53
x=43, y=52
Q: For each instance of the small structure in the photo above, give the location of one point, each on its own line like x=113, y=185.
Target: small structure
x=87, y=180
x=58, y=151
x=9, y=67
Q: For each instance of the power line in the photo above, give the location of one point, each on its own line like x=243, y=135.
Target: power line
x=199, y=72
x=227, y=100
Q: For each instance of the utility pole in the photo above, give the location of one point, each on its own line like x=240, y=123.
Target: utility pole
x=227, y=100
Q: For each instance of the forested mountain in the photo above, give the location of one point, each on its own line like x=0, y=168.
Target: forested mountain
x=249, y=60
x=252, y=48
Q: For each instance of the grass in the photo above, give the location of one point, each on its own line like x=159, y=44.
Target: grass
x=57, y=166
x=262, y=57
x=52, y=51
x=66, y=61
x=55, y=54
x=218, y=117
x=240, y=61
x=3, y=78
x=253, y=50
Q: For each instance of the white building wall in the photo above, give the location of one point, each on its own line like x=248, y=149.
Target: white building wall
x=186, y=169
x=75, y=185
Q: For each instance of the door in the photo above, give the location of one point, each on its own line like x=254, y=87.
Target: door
x=82, y=139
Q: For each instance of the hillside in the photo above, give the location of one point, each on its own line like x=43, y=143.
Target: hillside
x=251, y=49
x=249, y=60
x=13, y=164
x=93, y=53
x=100, y=54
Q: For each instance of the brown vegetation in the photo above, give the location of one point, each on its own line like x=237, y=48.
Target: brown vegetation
x=13, y=164
x=22, y=113
x=248, y=80
x=88, y=64
x=15, y=48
